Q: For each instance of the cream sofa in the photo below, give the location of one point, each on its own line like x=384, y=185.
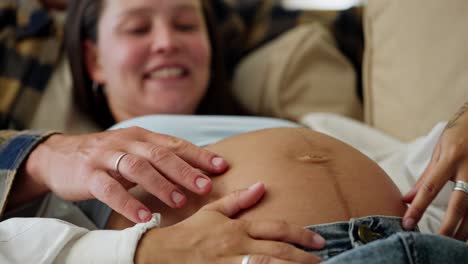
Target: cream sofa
x=415, y=71
x=416, y=64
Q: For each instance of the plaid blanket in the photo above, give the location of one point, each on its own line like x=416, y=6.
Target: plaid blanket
x=30, y=45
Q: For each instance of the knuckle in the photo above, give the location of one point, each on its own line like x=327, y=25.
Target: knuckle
x=280, y=227
x=417, y=210
x=95, y=143
x=134, y=130
x=282, y=250
x=261, y=259
x=91, y=155
x=238, y=225
x=187, y=173
x=456, y=150
x=108, y=189
x=154, y=152
x=88, y=163
x=162, y=186
x=429, y=189
x=126, y=204
x=134, y=164
x=229, y=243
x=177, y=144
x=159, y=154
x=236, y=195
x=114, y=135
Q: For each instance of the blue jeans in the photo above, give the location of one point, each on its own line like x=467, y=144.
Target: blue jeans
x=381, y=239
x=97, y=211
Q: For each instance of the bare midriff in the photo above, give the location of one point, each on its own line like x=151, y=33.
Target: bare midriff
x=310, y=179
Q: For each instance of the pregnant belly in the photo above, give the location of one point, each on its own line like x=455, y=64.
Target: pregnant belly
x=310, y=179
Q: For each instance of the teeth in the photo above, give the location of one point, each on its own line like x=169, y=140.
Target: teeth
x=167, y=73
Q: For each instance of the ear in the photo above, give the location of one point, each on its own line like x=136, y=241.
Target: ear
x=92, y=63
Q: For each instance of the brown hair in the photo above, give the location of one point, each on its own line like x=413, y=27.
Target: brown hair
x=81, y=24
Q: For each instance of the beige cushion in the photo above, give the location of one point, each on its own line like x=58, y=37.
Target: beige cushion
x=416, y=64
x=300, y=72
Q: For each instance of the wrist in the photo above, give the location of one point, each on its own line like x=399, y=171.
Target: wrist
x=150, y=248
x=29, y=184
x=140, y=252
x=35, y=167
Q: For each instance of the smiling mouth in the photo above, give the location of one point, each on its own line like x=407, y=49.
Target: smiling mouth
x=168, y=73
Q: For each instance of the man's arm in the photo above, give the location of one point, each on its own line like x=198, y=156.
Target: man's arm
x=52, y=240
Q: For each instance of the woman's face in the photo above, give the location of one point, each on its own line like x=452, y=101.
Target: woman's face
x=152, y=56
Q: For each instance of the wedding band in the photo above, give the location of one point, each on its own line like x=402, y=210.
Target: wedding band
x=246, y=259
x=117, y=162
x=461, y=186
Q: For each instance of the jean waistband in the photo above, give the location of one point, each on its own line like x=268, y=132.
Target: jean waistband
x=97, y=211
x=346, y=235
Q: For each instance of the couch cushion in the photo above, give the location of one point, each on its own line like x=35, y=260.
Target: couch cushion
x=416, y=64
x=302, y=71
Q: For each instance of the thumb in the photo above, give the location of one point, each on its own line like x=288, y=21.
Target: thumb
x=234, y=202
x=411, y=194
x=409, y=197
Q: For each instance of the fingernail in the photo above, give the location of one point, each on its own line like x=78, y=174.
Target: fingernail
x=177, y=197
x=144, y=215
x=408, y=223
x=318, y=241
x=202, y=182
x=217, y=161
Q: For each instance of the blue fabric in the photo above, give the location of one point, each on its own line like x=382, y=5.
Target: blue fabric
x=97, y=211
x=25, y=72
x=14, y=151
x=349, y=243
x=407, y=248
x=352, y=234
